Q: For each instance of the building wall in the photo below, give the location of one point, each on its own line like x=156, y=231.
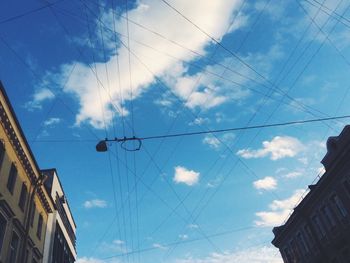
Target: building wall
x=319, y=228
x=17, y=153
x=60, y=245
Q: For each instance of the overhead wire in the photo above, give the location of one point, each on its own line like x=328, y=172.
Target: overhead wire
x=150, y=156
x=278, y=90
x=307, y=108
x=12, y=18
x=133, y=134
x=187, y=241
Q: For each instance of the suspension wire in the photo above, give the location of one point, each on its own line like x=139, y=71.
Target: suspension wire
x=232, y=129
x=240, y=59
x=341, y=18
x=151, y=157
x=10, y=19
x=271, y=85
x=187, y=241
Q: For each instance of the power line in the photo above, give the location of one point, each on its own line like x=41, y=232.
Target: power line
x=208, y=131
x=245, y=128
x=183, y=242
x=28, y=12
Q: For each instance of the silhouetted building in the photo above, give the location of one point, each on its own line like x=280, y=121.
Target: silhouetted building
x=319, y=228
x=24, y=202
x=60, y=234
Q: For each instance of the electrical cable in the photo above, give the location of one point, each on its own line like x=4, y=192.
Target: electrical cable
x=9, y=19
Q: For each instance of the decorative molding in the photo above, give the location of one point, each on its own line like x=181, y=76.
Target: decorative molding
x=17, y=146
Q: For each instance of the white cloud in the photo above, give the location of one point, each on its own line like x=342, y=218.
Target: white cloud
x=38, y=98
x=116, y=246
x=183, y=236
x=52, y=121
x=95, y=203
x=279, y=210
x=293, y=174
x=96, y=260
x=183, y=175
x=215, y=142
x=95, y=101
x=89, y=260
x=159, y=246
x=212, y=141
x=263, y=254
x=267, y=183
x=192, y=226
x=199, y=121
x=279, y=147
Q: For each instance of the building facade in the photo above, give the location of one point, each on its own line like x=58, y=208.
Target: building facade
x=24, y=203
x=60, y=235
x=318, y=230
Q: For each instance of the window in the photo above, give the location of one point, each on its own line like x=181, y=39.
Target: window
x=328, y=215
x=347, y=186
x=310, y=239
x=32, y=214
x=40, y=226
x=13, y=249
x=12, y=178
x=286, y=255
x=3, y=224
x=319, y=226
x=26, y=256
x=339, y=205
x=23, y=197
x=2, y=152
x=303, y=245
x=295, y=251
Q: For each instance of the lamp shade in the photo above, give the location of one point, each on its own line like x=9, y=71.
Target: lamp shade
x=101, y=146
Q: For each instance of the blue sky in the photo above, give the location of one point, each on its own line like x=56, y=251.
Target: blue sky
x=80, y=71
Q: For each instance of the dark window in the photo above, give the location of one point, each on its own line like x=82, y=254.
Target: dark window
x=32, y=214
x=23, y=197
x=26, y=256
x=295, y=251
x=302, y=243
x=339, y=205
x=13, y=249
x=12, y=178
x=2, y=152
x=3, y=224
x=320, y=230
x=40, y=226
x=310, y=238
x=328, y=215
x=287, y=255
x=347, y=186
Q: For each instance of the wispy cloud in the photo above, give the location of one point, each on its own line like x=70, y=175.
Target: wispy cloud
x=96, y=260
x=279, y=210
x=39, y=97
x=95, y=203
x=213, y=16
x=116, y=246
x=267, y=183
x=159, y=246
x=52, y=121
x=293, y=174
x=183, y=236
x=279, y=147
x=185, y=176
x=215, y=142
x=262, y=254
